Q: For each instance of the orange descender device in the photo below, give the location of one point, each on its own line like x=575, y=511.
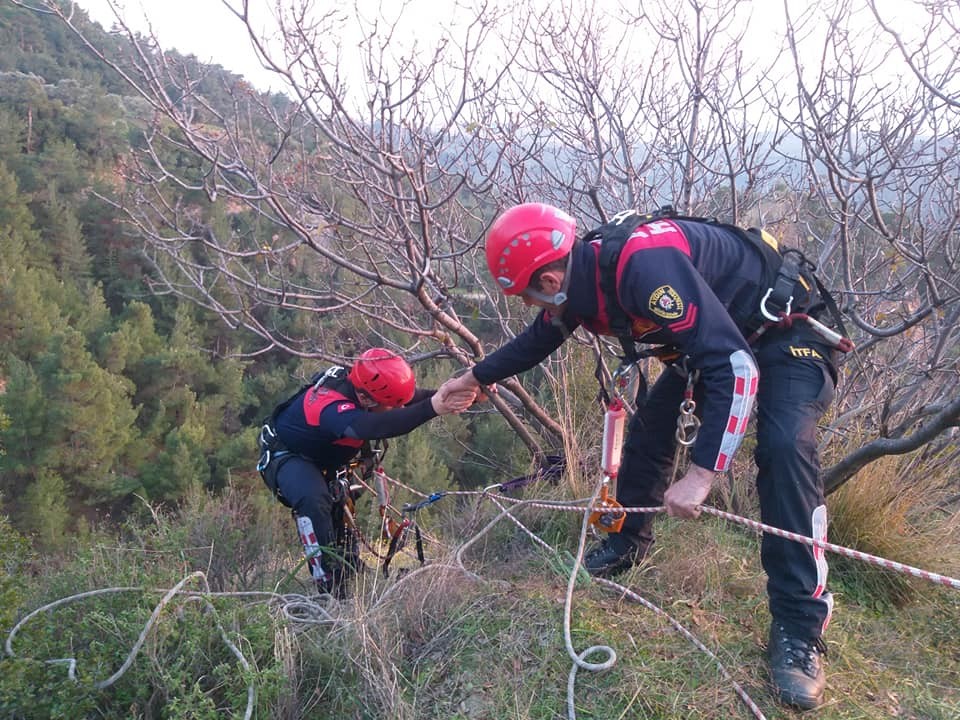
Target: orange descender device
x=608, y=514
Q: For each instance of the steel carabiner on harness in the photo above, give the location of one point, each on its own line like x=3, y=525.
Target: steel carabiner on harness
x=267, y=441
x=766, y=312
x=688, y=424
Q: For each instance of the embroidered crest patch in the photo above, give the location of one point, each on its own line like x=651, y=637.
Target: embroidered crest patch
x=666, y=303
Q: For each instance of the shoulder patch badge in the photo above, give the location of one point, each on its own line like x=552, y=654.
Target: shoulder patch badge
x=666, y=303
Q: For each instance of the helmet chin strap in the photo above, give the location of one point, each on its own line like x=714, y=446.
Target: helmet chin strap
x=561, y=296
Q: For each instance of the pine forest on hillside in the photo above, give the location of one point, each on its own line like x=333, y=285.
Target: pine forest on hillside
x=179, y=251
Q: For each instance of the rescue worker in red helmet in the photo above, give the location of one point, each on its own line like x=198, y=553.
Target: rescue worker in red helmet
x=697, y=287
x=311, y=438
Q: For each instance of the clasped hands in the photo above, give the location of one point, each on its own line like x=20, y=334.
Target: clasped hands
x=457, y=394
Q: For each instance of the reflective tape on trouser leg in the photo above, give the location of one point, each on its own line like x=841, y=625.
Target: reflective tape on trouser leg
x=819, y=523
x=796, y=388
x=311, y=547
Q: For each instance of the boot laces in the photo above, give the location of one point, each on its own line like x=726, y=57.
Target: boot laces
x=802, y=653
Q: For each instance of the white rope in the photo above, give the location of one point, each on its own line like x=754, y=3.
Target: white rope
x=296, y=608
x=579, y=659
x=312, y=611
x=578, y=506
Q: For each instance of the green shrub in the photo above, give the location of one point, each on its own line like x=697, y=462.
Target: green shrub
x=14, y=555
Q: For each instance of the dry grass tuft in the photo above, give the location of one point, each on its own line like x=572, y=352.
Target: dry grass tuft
x=886, y=512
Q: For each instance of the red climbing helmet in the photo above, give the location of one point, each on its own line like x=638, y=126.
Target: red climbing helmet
x=525, y=238
x=384, y=376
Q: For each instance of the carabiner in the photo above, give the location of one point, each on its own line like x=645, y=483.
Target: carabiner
x=688, y=424
x=767, y=314
x=622, y=378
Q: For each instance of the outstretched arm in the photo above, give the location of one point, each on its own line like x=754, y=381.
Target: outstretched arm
x=359, y=424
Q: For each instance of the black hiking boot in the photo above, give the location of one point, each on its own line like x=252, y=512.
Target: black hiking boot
x=614, y=555
x=796, y=668
x=336, y=580
x=339, y=566
x=327, y=586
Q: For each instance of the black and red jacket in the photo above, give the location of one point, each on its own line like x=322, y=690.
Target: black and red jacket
x=677, y=281
x=327, y=425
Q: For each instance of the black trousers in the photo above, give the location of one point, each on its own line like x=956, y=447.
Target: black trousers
x=797, y=380
x=302, y=486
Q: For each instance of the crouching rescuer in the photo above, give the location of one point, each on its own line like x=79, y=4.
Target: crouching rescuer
x=736, y=321
x=310, y=439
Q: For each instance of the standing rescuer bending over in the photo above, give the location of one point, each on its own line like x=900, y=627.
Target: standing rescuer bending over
x=310, y=439
x=700, y=288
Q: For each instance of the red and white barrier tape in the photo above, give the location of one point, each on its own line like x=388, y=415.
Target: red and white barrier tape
x=839, y=549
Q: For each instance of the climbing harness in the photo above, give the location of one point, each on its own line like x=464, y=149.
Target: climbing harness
x=346, y=487
x=273, y=453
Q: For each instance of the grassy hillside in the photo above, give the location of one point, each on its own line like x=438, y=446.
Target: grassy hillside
x=481, y=639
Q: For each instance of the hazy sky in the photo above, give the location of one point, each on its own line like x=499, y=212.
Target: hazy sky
x=204, y=28
x=208, y=30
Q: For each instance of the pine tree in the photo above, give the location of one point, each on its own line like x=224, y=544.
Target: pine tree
x=45, y=509
x=63, y=240
x=90, y=416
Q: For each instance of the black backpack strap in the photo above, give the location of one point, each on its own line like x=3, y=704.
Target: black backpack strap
x=329, y=376
x=613, y=236
x=273, y=453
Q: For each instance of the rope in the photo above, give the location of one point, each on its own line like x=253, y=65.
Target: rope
x=929, y=575
x=297, y=608
x=312, y=611
x=839, y=549
x=748, y=701
x=579, y=659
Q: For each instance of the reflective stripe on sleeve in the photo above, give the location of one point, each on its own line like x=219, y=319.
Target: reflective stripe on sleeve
x=745, y=379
